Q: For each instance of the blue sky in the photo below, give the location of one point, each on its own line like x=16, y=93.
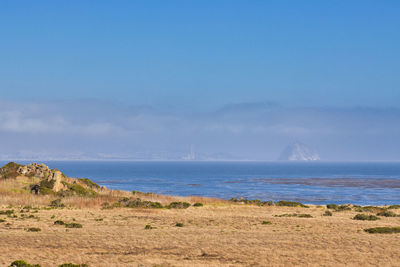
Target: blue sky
x=238, y=79
x=202, y=54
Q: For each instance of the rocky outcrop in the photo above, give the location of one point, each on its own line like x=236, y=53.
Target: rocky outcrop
x=36, y=170
x=50, y=181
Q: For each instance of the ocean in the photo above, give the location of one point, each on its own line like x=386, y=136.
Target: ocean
x=372, y=183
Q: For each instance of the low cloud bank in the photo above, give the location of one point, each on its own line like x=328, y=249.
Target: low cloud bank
x=246, y=131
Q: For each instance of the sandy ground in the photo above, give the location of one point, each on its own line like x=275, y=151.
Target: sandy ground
x=213, y=235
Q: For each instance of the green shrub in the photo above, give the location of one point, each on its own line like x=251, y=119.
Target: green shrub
x=291, y=204
x=365, y=217
x=33, y=229
x=387, y=213
x=252, y=202
x=327, y=213
x=81, y=191
x=266, y=222
x=89, y=183
x=148, y=227
x=137, y=203
x=59, y=222
x=73, y=265
x=338, y=207
x=22, y=263
x=198, y=204
x=57, y=203
x=6, y=212
x=46, y=187
x=179, y=224
x=368, y=209
x=383, y=230
x=73, y=225
x=10, y=170
x=178, y=205
x=394, y=207
x=295, y=215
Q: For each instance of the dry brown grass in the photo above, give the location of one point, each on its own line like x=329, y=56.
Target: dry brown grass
x=219, y=234
x=213, y=235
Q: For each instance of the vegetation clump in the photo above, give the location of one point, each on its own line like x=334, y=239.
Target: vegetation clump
x=89, y=183
x=368, y=209
x=265, y=222
x=327, y=213
x=148, y=227
x=22, y=263
x=256, y=202
x=2, y=220
x=383, y=230
x=295, y=215
x=73, y=265
x=198, y=204
x=394, y=207
x=57, y=203
x=291, y=204
x=46, y=187
x=10, y=170
x=178, y=205
x=6, y=212
x=59, y=222
x=73, y=225
x=137, y=203
x=387, y=213
x=179, y=224
x=338, y=207
x=33, y=229
x=365, y=217
x=76, y=189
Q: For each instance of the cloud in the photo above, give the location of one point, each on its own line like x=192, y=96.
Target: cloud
x=259, y=131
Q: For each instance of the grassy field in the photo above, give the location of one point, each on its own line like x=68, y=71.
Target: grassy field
x=219, y=233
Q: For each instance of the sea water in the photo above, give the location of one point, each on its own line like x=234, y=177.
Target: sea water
x=373, y=183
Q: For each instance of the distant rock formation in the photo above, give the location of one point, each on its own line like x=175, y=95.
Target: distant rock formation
x=298, y=152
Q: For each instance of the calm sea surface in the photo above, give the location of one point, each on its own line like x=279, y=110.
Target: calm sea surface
x=314, y=183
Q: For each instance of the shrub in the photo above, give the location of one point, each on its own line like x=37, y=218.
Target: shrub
x=57, y=203
x=22, y=263
x=291, y=204
x=137, y=203
x=2, y=220
x=73, y=225
x=179, y=224
x=327, y=213
x=252, y=202
x=89, y=183
x=387, y=213
x=178, y=205
x=295, y=215
x=266, y=222
x=33, y=229
x=364, y=217
x=394, y=207
x=46, y=187
x=73, y=265
x=198, y=204
x=383, y=230
x=10, y=170
x=369, y=209
x=148, y=226
x=6, y=212
x=59, y=222
x=338, y=207
x=81, y=191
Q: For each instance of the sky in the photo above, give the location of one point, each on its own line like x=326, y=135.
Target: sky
x=233, y=79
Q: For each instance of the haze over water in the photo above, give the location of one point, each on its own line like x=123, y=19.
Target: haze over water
x=373, y=183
